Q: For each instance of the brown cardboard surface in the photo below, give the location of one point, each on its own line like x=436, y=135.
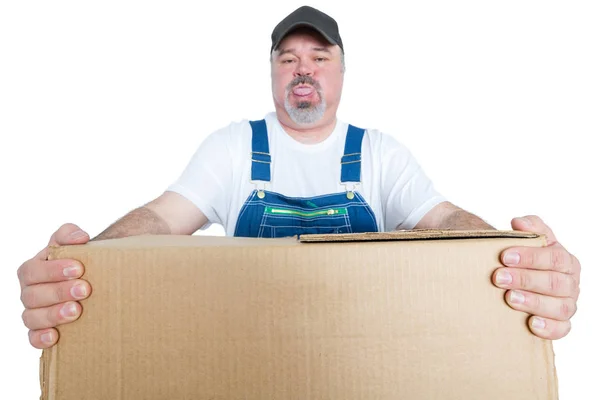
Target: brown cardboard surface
x=196, y=317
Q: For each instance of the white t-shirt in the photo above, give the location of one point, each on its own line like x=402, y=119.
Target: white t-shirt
x=217, y=178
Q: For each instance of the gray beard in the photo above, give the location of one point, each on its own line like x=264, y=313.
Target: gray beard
x=305, y=113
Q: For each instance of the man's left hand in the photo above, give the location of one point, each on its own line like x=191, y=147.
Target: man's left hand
x=542, y=281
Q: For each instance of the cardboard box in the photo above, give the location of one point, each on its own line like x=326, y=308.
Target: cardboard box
x=405, y=315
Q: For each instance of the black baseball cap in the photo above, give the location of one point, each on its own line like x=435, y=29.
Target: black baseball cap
x=307, y=16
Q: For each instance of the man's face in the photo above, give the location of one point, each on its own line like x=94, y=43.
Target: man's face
x=307, y=77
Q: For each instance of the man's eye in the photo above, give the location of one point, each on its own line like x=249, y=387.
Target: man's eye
x=288, y=61
x=319, y=59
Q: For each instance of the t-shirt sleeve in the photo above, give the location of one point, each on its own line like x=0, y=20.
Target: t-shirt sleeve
x=407, y=192
x=207, y=179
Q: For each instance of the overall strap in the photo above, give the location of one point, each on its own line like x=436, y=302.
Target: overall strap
x=352, y=155
x=261, y=159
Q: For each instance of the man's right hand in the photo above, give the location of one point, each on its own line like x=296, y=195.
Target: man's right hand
x=50, y=290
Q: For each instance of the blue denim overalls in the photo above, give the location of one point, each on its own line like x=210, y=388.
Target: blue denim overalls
x=268, y=214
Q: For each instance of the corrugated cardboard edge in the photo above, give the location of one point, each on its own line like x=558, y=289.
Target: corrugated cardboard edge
x=418, y=234
x=550, y=359
x=48, y=357
x=48, y=374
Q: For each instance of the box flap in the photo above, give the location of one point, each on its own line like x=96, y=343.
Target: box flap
x=418, y=234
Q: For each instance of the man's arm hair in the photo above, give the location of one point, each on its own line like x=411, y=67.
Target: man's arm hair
x=170, y=213
x=140, y=221
x=448, y=216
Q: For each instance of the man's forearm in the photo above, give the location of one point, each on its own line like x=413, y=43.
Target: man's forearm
x=463, y=220
x=140, y=221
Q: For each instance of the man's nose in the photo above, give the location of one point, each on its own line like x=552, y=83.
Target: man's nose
x=304, y=68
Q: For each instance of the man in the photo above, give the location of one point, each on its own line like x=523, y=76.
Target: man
x=301, y=170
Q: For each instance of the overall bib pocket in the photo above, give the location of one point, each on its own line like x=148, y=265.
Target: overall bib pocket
x=280, y=221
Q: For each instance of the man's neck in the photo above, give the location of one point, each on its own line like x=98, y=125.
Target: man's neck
x=309, y=135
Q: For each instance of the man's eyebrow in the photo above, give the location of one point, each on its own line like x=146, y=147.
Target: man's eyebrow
x=291, y=51
x=285, y=51
x=325, y=49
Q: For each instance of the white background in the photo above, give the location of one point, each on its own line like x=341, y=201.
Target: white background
x=103, y=103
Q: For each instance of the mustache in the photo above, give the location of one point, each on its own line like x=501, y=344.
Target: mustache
x=303, y=80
